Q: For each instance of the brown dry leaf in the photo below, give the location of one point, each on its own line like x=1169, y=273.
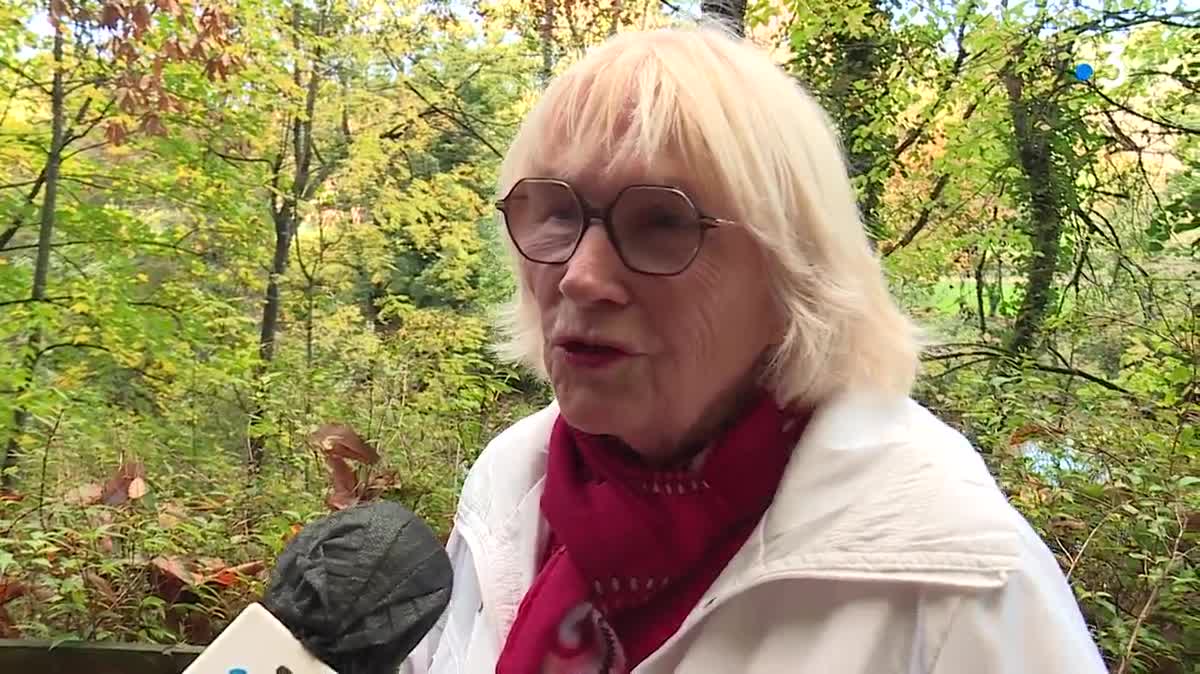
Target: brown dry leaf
x=208, y=565
x=118, y=488
x=170, y=515
x=115, y=491
x=338, y=501
x=345, y=483
x=41, y=593
x=212, y=70
x=171, y=578
x=173, y=51
x=140, y=17
x=58, y=10
x=232, y=574
x=8, y=628
x=341, y=440
x=154, y=126
x=126, y=52
x=11, y=589
x=291, y=532
x=84, y=494
x=114, y=133
x=380, y=483
x=101, y=586
x=1064, y=524
x=110, y=15
x=1020, y=435
x=137, y=488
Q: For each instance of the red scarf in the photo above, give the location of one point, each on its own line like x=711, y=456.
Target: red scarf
x=633, y=549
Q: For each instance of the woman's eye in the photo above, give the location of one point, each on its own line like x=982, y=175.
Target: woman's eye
x=666, y=220
x=550, y=213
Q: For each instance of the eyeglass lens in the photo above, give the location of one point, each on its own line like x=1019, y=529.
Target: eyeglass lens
x=656, y=230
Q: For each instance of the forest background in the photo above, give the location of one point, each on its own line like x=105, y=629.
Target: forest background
x=248, y=259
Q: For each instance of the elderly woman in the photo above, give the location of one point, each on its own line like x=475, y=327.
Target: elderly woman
x=732, y=477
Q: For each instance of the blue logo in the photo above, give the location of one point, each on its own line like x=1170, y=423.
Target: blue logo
x=237, y=670
x=1083, y=72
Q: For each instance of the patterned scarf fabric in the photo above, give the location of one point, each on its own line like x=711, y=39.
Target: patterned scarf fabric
x=632, y=548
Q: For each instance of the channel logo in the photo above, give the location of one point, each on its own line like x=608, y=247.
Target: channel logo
x=1085, y=72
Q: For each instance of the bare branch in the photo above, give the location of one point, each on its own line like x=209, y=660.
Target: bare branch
x=988, y=351
x=31, y=300
x=462, y=123
x=1160, y=122
x=127, y=242
x=40, y=86
x=234, y=159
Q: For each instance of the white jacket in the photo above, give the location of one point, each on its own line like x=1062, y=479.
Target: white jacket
x=888, y=549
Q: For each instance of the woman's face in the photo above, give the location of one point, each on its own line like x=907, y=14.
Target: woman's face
x=688, y=346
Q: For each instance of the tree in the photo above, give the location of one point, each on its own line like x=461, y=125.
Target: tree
x=133, y=85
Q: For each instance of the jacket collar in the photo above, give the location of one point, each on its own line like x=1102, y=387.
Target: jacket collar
x=863, y=498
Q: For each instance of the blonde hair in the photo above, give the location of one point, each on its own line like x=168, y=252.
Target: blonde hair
x=751, y=133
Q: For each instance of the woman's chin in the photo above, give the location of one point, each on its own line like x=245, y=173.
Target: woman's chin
x=595, y=413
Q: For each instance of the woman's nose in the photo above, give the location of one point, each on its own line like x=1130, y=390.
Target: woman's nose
x=595, y=272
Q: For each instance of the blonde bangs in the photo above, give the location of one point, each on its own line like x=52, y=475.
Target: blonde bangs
x=623, y=105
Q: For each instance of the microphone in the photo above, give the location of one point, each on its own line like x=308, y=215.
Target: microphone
x=352, y=593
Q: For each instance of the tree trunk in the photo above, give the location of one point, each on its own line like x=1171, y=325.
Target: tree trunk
x=864, y=57
x=1035, y=121
x=547, y=29
x=285, y=223
x=41, y=271
x=285, y=218
x=980, y=282
x=868, y=152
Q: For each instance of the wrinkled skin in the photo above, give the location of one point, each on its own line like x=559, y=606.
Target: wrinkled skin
x=696, y=338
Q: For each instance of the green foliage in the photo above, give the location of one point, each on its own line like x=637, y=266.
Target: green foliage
x=980, y=160
x=368, y=136
x=145, y=347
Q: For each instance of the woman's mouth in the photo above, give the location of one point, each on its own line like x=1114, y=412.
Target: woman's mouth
x=592, y=355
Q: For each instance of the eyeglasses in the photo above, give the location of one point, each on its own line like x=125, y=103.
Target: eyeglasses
x=655, y=229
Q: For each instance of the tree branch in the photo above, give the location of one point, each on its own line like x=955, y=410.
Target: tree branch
x=923, y=218
x=234, y=159
x=26, y=76
x=452, y=117
x=1144, y=613
x=1160, y=122
x=137, y=242
x=915, y=133
x=988, y=351
x=30, y=300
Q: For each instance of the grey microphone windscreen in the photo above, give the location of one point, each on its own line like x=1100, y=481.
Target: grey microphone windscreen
x=360, y=588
